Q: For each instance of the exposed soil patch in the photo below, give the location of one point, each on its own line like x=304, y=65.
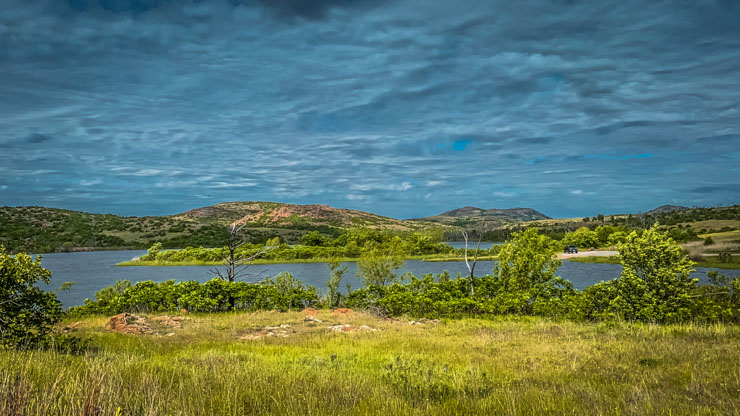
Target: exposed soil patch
x=126, y=323
x=170, y=321
x=341, y=311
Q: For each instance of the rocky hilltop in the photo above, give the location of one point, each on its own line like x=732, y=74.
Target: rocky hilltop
x=471, y=216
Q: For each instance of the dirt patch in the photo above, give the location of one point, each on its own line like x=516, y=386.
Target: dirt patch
x=126, y=323
x=341, y=311
x=170, y=321
x=310, y=311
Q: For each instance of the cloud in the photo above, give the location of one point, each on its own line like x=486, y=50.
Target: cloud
x=368, y=105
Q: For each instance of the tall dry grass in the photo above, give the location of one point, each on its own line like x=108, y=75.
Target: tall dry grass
x=471, y=366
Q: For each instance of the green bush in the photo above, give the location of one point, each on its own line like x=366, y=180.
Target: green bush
x=283, y=293
x=27, y=313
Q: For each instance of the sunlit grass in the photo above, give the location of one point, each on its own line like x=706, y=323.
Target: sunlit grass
x=469, y=366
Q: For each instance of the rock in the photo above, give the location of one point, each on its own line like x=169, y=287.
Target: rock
x=345, y=328
x=71, y=327
x=341, y=328
x=125, y=323
x=416, y=323
x=366, y=328
x=310, y=318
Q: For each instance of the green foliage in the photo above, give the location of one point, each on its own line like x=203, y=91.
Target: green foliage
x=582, y=237
x=708, y=241
x=336, y=271
x=153, y=252
x=724, y=257
x=313, y=239
x=27, y=313
x=527, y=260
x=654, y=285
x=377, y=264
x=281, y=293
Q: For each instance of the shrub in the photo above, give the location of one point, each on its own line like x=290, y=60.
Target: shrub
x=724, y=257
x=708, y=241
x=216, y=295
x=654, y=285
x=27, y=313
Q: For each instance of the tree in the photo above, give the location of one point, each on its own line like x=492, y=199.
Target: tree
x=582, y=237
x=471, y=268
x=376, y=265
x=314, y=239
x=529, y=259
x=237, y=263
x=336, y=271
x=27, y=313
x=655, y=282
x=151, y=254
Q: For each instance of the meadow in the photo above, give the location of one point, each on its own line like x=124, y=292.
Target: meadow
x=498, y=365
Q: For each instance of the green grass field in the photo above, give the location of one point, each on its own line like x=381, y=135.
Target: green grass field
x=508, y=366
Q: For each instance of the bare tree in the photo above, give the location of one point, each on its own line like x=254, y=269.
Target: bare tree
x=235, y=264
x=471, y=268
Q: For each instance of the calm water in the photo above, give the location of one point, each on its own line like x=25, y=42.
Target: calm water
x=95, y=270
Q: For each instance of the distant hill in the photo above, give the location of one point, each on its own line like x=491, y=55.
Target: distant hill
x=473, y=216
x=667, y=208
x=274, y=214
x=41, y=229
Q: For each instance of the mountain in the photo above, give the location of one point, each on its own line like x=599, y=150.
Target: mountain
x=273, y=214
x=41, y=229
x=473, y=216
x=667, y=208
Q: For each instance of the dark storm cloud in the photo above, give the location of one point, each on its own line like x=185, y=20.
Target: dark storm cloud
x=314, y=9
x=405, y=108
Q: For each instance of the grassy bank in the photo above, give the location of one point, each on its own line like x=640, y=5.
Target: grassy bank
x=428, y=257
x=471, y=366
x=615, y=260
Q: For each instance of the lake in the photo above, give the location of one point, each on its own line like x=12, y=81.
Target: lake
x=96, y=270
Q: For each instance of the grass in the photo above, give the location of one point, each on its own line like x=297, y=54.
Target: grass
x=712, y=224
x=507, y=366
x=595, y=259
x=709, y=264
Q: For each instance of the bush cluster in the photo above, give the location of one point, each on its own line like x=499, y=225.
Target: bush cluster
x=281, y=293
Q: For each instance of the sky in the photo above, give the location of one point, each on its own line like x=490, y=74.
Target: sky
x=404, y=108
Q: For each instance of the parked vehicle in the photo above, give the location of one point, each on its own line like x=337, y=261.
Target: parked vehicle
x=571, y=249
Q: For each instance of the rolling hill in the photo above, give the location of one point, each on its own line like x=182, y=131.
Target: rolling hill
x=41, y=229
x=473, y=216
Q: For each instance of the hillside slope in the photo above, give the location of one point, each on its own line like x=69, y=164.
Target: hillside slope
x=41, y=229
x=472, y=216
